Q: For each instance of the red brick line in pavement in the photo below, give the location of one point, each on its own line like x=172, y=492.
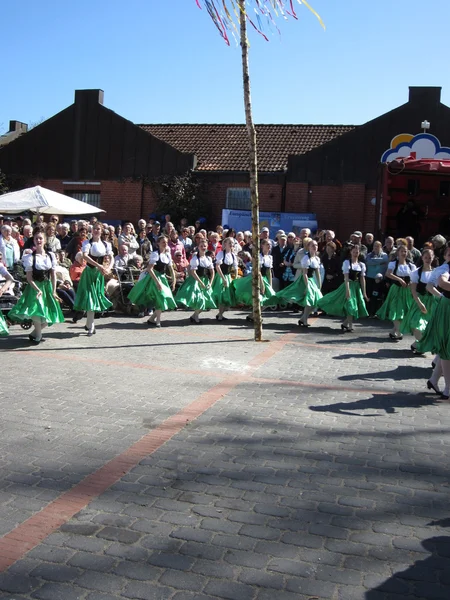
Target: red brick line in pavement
x=15, y=544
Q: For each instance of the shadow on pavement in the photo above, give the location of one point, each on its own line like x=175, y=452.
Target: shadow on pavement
x=387, y=403
x=382, y=354
x=400, y=373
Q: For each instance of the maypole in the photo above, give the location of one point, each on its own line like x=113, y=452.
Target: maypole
x=231, y=17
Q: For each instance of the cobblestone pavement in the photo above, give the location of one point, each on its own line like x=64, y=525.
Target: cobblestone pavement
x=314, y=466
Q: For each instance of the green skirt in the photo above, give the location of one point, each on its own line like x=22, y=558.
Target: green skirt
x=146, y=293
x=436, y=338
x=45, y=307
x=192, y=295
x=297, y=292
x=91, y=292
x=244, y=291
x=415, y=319
x=397, y=304
x=3, y=326
x=336, y=303
x=223, y=296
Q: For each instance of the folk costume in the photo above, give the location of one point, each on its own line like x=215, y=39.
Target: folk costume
x=336, y=303
x=399, y=299
x=223, y=291
x=436, y=337
x=243, y=285
x=298, y=291
x=90, y=295
x=415, y=320
x=192, y=294
x=38, y=301
x=146, y=291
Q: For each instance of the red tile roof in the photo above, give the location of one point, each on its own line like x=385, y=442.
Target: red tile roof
x=224, y=147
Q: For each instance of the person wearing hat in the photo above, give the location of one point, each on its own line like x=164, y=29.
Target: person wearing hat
x=355, y=240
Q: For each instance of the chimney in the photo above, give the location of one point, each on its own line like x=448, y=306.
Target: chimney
x=89, y=96
x=425, y=95
x=17, y=127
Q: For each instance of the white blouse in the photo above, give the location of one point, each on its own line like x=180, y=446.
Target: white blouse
x=266, y=260
x=44, y=262
x=165, y=258
x=228, y=259
x=96, y=249
x=204, y=261
x=402, y=270
x=309, y=262
x=425, y=276
x=437, y=272
x=359, y=266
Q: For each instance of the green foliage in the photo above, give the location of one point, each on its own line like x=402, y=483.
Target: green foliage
x=3, y=185
x=180, y=196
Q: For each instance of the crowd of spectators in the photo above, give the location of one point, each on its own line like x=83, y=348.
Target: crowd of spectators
x=132, y=247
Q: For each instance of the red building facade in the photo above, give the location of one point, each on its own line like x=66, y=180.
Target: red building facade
x=90, y=152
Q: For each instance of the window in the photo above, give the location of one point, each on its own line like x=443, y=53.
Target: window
x=92, y=198
x=238, y=198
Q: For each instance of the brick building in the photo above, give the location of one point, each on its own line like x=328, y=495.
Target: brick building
x=91, y=153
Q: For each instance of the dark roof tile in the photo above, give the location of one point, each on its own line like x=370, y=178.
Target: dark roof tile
x=225, y=147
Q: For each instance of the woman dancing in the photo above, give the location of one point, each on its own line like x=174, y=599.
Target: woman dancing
x=153, y=290
x=223, y=290
x=90, y=295
x=399, y=299
x=9, y=281
x=436, y=338
x=243, y=285
x=349, y=299
x=39, y=302
x=196, y=292
x=305, y=290
x=417, y=318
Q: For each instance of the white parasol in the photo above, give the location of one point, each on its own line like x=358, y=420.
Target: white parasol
x=41, y=200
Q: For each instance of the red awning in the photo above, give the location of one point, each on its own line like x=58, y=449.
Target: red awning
x=411, y=163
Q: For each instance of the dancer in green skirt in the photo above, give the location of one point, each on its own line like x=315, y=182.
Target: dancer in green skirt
x=349, y=299
x=196, y=292
x=91, y=289
x=39, y=301
x=305, y=290
x=399, y=299
x=425, y=301
x=243, y=285
x=9, y=282
x=153, y=290
x=223, y=290
x=436, y=337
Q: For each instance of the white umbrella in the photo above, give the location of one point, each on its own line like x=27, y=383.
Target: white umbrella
x=44, y=201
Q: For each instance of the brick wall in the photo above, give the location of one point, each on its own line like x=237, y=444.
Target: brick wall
x=341, y=208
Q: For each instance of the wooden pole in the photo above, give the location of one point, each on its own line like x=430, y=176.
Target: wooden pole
x=253, y=170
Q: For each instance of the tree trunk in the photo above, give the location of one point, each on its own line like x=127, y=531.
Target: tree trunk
x=253, y=169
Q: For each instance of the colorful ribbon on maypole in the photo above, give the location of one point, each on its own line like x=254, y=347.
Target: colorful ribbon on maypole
x=225, y=14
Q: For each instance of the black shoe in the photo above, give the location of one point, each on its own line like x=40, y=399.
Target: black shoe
x=396, y=338
x=192, y=320
x=431, y=386
x=303, y=324
x=345, y=328
x=444, y=397
x=415, y=351
x=33, y=340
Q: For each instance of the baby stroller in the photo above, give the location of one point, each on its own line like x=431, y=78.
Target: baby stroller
x=10, y=299
x=118, y=289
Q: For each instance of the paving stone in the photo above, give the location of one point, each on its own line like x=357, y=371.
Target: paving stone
x=58, y=591
x=230, y=591
x=92, y=562
x=56, y=572
x=116, y=534
x=143, y=591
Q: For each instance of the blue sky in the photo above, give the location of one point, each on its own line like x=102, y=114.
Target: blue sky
x=162, y=61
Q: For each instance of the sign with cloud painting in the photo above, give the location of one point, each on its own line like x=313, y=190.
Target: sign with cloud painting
x=422, y=145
